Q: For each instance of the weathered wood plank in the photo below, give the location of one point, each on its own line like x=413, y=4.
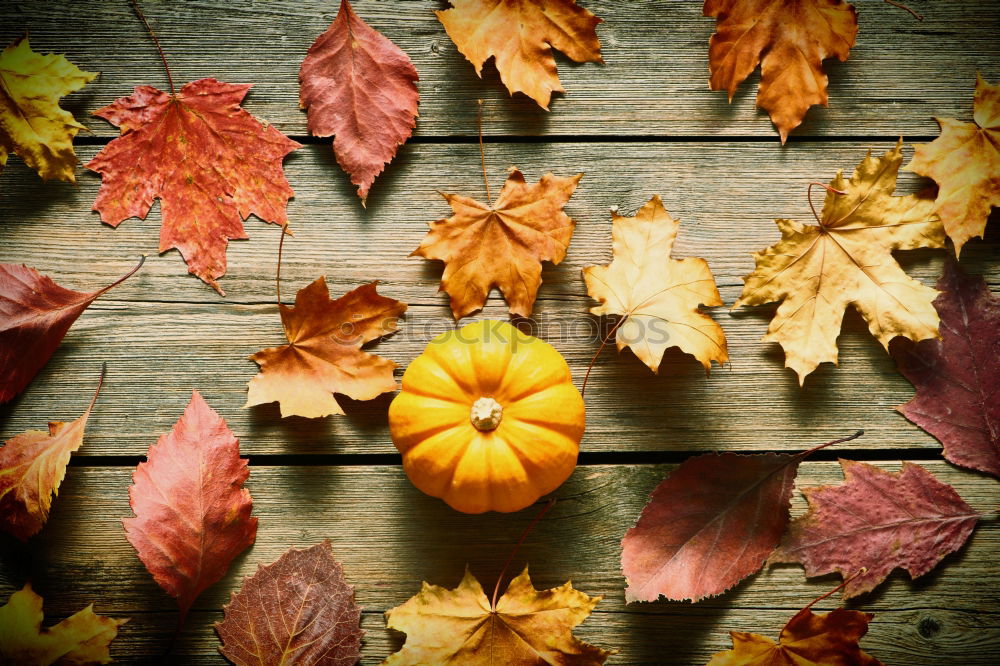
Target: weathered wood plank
x=899, y=76
x=165, y=333
x=390, y=537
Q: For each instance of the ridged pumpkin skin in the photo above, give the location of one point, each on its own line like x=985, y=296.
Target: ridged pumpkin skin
x=531, y=451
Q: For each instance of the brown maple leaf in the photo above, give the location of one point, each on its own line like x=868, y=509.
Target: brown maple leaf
x=192, y=514
x=520, y=34
x=790, y=39
x=501, y=245
x=965, y=163
x=958, y=377
x=462, y=626
x=31, y=123
x=818, y=271
x=877, y=521
x=32, y=466
x=35, y=314
x=82, y=638
x=657, y=296
x=297, y=610
x=359, y=86
x=323, y=355
x=209, y=162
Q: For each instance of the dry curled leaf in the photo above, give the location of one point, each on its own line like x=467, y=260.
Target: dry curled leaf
x=209, y=162
x=657, y=296
x=830, y=639
x=790, y=39
x=31, y=123
x=297, y=610
x=520, y=35
x=360, y=87
x=958, y=377
x=527, y=626
x=82, y=638
x=323, y=355
x=818, y=271
x=192, y=513
x=965, y=163
x=32, y=466
x=35, y=314
x=877, y=521
x=501, y=245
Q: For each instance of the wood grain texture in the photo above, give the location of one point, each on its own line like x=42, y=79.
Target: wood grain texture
x=391, y=540
x=164, y=333
x=900, y=75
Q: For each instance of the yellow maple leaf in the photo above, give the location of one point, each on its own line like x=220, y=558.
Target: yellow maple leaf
x=526, y=626
x=31, y=123
x=658, y=296
x=818, y=271
x=82, y=638
x=965, y=162
x=520, y=34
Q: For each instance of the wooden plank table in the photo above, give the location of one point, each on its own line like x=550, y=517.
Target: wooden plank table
x=644, y=123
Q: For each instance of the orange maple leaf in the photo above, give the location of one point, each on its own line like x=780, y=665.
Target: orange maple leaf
x=501, y=245
x=520, y=34
x=209, y=162
x=789, y=39
x=965, y=162
x=323, y=355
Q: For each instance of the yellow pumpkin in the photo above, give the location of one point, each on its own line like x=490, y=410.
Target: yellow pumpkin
x=488, y=418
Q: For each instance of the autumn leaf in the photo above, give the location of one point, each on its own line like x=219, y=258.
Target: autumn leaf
x=32, y=465
x=790, y=39
x=965, y=162
x=323, y=355
x=209, y=162
x=35, y=314
x=878, y=521
x=830, y=639
x=520, y=35
x=31, y=123
x=818, y=271
x=82, y=638
x=297, y=610
x=360, y=87
x=501, y=245
x=958, y=377
x=657, y=296
x=526, y=626
x=192, y=514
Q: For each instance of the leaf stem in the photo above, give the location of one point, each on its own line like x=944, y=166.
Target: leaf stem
x=277, y=272
x=836, y=589
x=156, y=40
x=583, y=389
x=142, y=260
x=482, y=151
x=100, y=383
x=831, y=443
x=905, y=8
x=809, y=191
x=513, y=552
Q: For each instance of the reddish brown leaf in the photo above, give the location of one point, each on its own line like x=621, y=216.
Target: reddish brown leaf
x=360, y=87
x=35, y=314
x=878, y=521
x=192, y=514
x=323, y=355
x=708, y=525
x=830, y=639
x=297, y=610
x=958, y=377
x=209, y=162
x=32, y=465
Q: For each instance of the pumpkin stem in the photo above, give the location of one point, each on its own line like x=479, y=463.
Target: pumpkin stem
x=486, y=414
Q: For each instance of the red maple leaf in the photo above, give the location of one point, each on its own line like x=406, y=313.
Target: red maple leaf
x=877, y=521
x=192, y=514
x=958, y=377
x=209, y=162
x=359, y=86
